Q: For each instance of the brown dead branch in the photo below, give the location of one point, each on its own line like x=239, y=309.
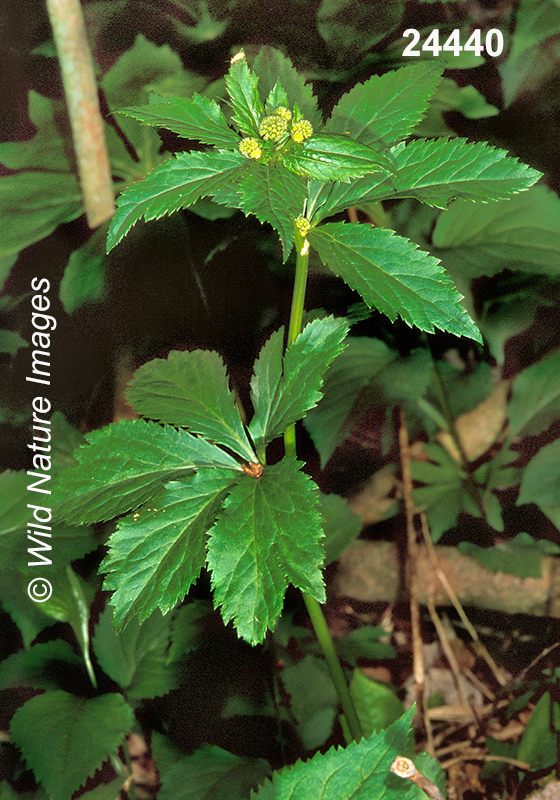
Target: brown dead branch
x=371, y=572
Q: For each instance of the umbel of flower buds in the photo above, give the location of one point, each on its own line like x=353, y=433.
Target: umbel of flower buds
x=273, y=128
x=301, y=130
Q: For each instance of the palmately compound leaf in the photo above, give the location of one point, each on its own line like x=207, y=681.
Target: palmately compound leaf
x=272, y=67
x=268, y=535
x=392, y=274
x=335, y=158
x=283, y=390
x=386, y=107
x=274, y=195
x=190, y=389
x=156, y=553
x=176, y=184
x=197, y=118
x=126, y=464
x=64, y=738
x=360, y=771
x=535, y=398
x=242, y=85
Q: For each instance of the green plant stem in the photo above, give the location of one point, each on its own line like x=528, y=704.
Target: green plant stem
x=313, y=608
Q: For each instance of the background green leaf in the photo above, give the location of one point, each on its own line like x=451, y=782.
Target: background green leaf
x=64, y=739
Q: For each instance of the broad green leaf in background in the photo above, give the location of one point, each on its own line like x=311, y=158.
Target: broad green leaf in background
x=340, y=525
x=541, y=477
x=520, y=233
x=267, y=536
x=197, y=118
x=11, y=341
x=360, y=771
x=190, y=389
x=393, y=275
x=443, y=496
x=274, y=195
x=136, y=658
x=64, y=738
x=386, y=107
x=538, y=745
x=271, y=67
x=84, y=276
x=349, y=27
x=186, y=627
x=46, y=150
x=71, y=603
x=41, y=666
x=33, y=203
x=313, y=699
x=244, y=98
x=13, y=500
x=377, y=705
x=535, y=397
x=176, y=184
x=467, y=100
x=126, y=464
x=157, y=553
x=211, y=772
x=521, y=556
x=282, y=398
x=345, y=382
x=532, y=56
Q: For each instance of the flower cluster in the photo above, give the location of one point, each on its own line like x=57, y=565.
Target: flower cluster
x=303, y=225
x=250, y=148
x=301, y=130
x=273, y=128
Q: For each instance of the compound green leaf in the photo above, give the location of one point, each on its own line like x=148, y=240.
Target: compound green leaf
x=386, y=108
x=211, y=772
x=267, y=536
x=393, y=275
x=272, y=67
x=541, y=477
x=126, y=464
x=47, y=149
x=282, y=398
x=535, y=398
x=192, y=118
x=176, y=184
x=520, y=556
x=521, y=233
x=335, y=158
x=157, y=553
x=136, y=658
x=13, y=500
x=360, y=771
x=64, y=738
x=190, y=389
x=274, y=195
x=242, y=85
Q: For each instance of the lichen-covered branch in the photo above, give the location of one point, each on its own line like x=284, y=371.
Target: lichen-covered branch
x=371, y=571
x=80, y=89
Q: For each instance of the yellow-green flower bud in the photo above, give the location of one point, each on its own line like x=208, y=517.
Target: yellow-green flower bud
x=303, y=225
x=283, y=113
x=301, y=130
x=250, y=148
x=273, y=128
